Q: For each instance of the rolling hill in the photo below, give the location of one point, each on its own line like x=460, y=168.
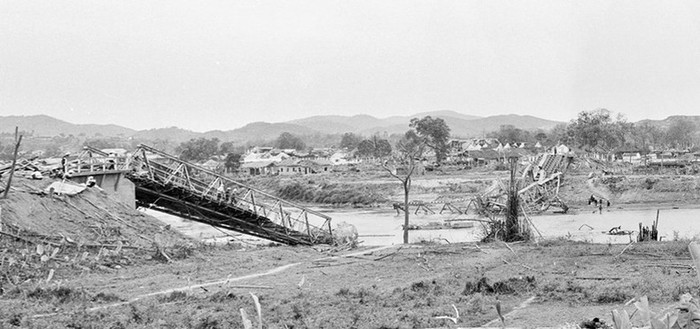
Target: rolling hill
x=462, y=125
x=665, y=123
x=475, y=127
x=44, y=125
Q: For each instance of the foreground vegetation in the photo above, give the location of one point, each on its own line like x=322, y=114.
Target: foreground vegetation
x=414, y=286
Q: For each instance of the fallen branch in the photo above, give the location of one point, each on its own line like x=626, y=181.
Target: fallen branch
x=388, y=255
x=623, y=250
x=250, y=287
x=586, y=225
x=113, y=215
x=597, y=278
x=683, y=266
x=360, y=257
x=509, y=248
x=329, y=265
x=76, y=208
x=29, y=240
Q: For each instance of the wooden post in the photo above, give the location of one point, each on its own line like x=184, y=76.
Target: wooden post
x=330, y=230
x=306, y=219
x=282, y=215
x=14, y=162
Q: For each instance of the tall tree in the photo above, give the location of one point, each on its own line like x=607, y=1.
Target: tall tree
x=374, y=147
x=558, y=134
x=681, y=134
x=382, y=147
x=226, y=148
x=511, y=134
x=435, y=134
x=540, y=136
x=289, y=141
x=198, y=149
x=409, y=150
x=350, y=141
x=597, y=129
x=365, y=148
x=232, y=162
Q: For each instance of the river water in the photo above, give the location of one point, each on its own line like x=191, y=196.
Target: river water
x=384, y=227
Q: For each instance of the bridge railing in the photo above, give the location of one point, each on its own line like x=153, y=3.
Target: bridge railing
x=203, y=183
x=92, y=160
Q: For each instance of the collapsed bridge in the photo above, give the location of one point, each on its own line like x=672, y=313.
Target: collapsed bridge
x=167, y=184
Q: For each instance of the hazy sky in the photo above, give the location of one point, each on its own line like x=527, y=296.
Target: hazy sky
x=206, y=65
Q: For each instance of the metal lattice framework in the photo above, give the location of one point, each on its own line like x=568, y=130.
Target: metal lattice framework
x=166, y=183
x=92, y=161
x=537, y=196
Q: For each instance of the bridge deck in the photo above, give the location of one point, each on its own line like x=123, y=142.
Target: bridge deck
x=168, y=184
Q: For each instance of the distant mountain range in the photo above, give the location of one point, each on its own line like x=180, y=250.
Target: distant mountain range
x=665, y=123
x=44, y=125
x=461, y=125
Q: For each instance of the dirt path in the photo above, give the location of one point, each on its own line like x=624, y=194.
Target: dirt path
x=597, y=191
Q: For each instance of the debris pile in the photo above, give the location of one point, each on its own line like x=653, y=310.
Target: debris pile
x=71, y=214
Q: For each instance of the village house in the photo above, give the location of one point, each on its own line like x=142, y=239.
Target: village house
x=264, y=154
x=302, y=167
x=630, y=156
x=258, y=168
x=211, y=165
x=479, y=144
x=478, y=158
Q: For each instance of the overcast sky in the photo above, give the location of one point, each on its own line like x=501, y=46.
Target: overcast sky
x=205, y=65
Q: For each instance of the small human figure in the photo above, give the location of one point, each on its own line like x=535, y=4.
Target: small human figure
x=220, y=192
x=592, y=200
x=90, y=181
x=541, y=174
x=600, y=207
x=111, y=161
x=64, y=163
x=232, y=197
x=397, y=207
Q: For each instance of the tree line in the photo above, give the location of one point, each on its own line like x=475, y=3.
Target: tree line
x=601, y=131
x=596, y=130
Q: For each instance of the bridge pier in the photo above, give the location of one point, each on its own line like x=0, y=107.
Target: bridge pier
x=113, y=182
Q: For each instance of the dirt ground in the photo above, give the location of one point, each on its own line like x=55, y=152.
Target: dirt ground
x=549, y=284
x=89, y=262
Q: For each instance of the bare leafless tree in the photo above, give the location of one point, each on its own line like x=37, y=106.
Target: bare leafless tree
x=402, y=166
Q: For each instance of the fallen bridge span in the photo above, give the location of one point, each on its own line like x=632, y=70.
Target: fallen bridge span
x=167, y=184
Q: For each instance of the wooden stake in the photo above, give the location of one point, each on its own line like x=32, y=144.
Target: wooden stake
x=14, y=162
